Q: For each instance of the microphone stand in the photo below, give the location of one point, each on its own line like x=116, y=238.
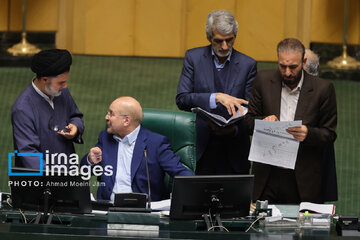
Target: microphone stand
x=24, y=47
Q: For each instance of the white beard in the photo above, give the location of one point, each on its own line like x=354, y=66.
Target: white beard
x=52, y=92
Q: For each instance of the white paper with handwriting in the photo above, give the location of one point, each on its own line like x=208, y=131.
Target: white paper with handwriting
x=271, y=144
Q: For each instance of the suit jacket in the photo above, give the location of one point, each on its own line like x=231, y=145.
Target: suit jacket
x=317, y=109
x=197, y=83
x=161, y=159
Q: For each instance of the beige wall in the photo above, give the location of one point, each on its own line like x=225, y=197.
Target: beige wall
x=41, y=15
x=3, y=15
x=166, y=28
x=328, y=21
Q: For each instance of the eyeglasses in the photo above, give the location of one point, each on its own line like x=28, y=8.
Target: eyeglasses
x=112, y=114
x=227, y=40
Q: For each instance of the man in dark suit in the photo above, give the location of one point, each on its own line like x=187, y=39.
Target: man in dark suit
x=329, y=188
x=218, y=79
x=288, y=94
x=126, y=146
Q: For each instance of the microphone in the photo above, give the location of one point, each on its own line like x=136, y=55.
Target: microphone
x=148, y=177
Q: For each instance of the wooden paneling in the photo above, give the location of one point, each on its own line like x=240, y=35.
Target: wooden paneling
x=41, y=15
x=261, y=27
x=4, y=15
x=157, y=28
x=327, y=23
x=109, y=27
x=164, y=28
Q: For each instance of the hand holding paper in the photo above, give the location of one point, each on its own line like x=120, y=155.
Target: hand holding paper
x=299, y=133
x=272, y=144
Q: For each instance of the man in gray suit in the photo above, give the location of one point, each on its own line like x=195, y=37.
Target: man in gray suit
x=288, y=94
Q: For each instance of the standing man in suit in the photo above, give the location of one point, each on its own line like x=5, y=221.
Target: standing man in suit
x=218, y=79
x=288, y=94
x=329, y=188
x=126, y=146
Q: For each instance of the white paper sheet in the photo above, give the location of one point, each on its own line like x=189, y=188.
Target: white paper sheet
x=271, y=144
x=163, y=205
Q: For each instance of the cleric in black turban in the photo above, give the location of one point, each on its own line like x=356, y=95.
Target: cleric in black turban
x=50, y=63
x=45, y=117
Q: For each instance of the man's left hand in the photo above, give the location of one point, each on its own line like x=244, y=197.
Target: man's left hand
x=71, y=131
x=299, y=133
x=230, y=102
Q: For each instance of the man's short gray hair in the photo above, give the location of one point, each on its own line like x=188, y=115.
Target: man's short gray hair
x=221, y=20
x=312, y=63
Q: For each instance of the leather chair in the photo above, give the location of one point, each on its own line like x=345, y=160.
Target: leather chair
x=179, y=128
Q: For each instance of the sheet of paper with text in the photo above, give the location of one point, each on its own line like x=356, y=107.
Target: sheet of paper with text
x=272, y=145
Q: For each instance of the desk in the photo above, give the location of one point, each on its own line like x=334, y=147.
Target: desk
x=135, y=226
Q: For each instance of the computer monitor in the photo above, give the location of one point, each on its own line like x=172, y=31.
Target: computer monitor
x=58, y=194
x=227, y=195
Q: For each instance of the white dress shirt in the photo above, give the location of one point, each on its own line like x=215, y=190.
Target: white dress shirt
x=124, y=157
x=289, y=100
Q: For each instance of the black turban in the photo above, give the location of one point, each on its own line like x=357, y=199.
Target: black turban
x=50, y=63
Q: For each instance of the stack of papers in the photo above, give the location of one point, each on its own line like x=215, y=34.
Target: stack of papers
x=163, y=205
x=317, y=208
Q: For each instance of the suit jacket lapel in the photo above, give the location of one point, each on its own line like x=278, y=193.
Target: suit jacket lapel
x=304, y=97
x=208, y=71
x=113, y=152
x=138, y=153
x=233, y=72
x=275, y=90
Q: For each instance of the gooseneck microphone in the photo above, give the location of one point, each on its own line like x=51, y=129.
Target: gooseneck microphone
x=148, y=177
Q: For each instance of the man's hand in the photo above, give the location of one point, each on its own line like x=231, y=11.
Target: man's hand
x=70, y=131
x=272, y=118
x=95, y=155
x=230, y=103
x=299, y=133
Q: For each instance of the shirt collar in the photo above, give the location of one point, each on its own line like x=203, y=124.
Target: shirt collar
x=130, y=138
x=40, y=92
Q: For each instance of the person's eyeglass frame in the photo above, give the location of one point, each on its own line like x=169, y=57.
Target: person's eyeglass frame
x=112, y=114
x=220, y=41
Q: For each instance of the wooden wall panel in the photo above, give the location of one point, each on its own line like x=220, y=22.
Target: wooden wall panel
x=4, y=15
x=327, y=23
x=41, y=15
x=261, y=27
x=164, y=28
x=110, y=27
x=158, y=28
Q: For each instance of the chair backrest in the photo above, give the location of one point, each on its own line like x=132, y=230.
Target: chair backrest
x=179, y=128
